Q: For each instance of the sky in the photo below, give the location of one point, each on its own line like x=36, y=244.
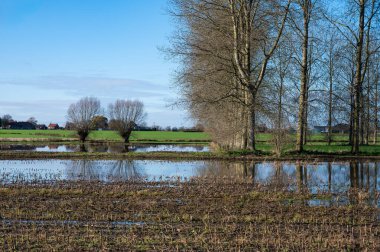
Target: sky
x=54, y=52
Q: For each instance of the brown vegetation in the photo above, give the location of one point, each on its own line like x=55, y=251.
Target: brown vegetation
x=227, y=214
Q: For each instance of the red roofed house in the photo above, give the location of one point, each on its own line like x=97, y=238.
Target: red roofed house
x=53, y=126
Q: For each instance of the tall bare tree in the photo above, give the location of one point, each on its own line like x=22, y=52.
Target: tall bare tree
x=225, y=47
x=305, y=7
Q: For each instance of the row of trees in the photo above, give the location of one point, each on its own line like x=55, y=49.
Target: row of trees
x=6, y=120
x=283, y=63
x=124, y=116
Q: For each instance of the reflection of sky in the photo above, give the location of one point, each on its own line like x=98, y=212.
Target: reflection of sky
x=61, y=148
x=41, y=170
x=110, y=170
x=108, y=148
x=177, y=148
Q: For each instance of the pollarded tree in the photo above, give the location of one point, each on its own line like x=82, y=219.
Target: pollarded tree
x=125, y=115
x=81, y=113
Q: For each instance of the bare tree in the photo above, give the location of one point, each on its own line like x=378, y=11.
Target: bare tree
x=376, y=79
x=6, y=120
x=125, y=115
x=225, y=47
x=32, y=120
x=306, y=8
x=356, y=26
x=81, y=113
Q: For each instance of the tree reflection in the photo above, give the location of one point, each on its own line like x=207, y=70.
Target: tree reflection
x=329, y=171
x=123, y=170
x=279, y=178
x=82, y=170
x=302, y=181
x=354, y=174
x=227, y=169
x=118, y=148
x=82, y=147
x=97, y=148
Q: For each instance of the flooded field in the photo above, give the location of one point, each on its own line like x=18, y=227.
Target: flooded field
x=193, y=205
x=107, y=147
x=330, y=177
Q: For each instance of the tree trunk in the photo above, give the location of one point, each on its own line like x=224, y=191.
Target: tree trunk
x=368, y=117
x=331, y=75
x=252, y=128
x=358, y=82
x=351, y=116
x=126, y=135
x=362, y=118
x=279, y=116
x=375, y=126
x=306, y=126
x=304, y=75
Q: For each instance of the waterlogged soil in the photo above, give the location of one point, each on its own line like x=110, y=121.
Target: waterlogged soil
x=200, y=214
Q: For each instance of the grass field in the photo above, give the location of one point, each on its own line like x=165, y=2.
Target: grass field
x=317, y=143
x=138, y=136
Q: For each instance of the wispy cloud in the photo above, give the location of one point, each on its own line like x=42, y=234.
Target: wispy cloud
x=48, y=97
x=93, y=85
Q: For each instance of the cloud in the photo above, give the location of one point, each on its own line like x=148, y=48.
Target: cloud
x=93, y=85
x=48, y=97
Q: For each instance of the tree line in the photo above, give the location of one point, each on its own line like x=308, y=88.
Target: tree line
x=282, y=63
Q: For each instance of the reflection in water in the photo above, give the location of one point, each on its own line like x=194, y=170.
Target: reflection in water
x=123, y=170
x=119, y=148
x=104, y=147
x=361, y=179
x=82, y=170
x=120, y=170
x=82, y=147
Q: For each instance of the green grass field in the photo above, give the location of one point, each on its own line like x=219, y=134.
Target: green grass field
x=317, y=142
x=138, y=136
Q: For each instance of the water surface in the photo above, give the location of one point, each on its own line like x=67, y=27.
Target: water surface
x=326, y=176
x=106, y=147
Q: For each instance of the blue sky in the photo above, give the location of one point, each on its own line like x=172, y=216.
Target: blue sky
x=53, y=52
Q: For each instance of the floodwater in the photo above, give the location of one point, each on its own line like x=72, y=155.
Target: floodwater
x=327, y=176
x=107, y=147
x=335, y=178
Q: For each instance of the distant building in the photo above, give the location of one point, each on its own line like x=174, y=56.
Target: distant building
x=341, y=128
x=41, y=127
x=53, y=126
x=320, y=129
x=22, y=125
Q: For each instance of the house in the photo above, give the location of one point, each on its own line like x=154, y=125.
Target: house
x=41, y=127
x=53, y=126
x=341, y=128
x=22, y=126
x=320, y=129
